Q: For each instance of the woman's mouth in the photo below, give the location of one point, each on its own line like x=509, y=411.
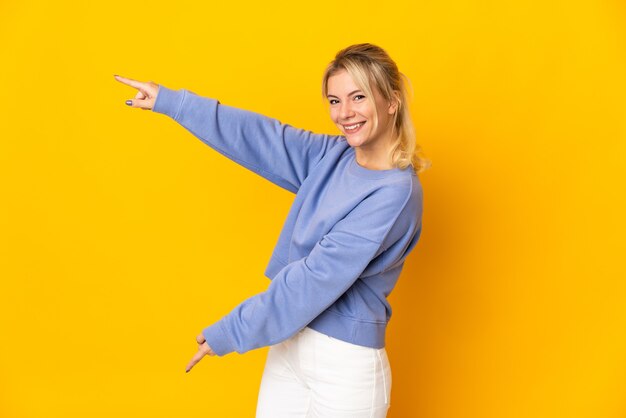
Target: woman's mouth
x=353, y=128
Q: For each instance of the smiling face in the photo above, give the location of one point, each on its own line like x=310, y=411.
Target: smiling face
x=355, y=115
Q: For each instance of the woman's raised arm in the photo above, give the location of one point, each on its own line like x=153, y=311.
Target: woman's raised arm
x=276, y=151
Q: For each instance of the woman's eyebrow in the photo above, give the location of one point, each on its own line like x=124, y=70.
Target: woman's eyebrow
x=349, y=94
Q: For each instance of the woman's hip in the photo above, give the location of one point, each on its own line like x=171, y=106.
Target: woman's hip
x=341, y=377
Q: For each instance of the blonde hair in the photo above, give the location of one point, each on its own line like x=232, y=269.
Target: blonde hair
x=369, y=65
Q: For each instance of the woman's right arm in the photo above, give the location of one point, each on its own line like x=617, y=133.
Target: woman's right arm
x=279, y=152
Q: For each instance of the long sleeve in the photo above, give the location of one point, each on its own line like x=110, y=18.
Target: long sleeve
x=278, y=152
x=306, y=287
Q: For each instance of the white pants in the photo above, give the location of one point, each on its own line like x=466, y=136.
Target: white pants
x=314, y=375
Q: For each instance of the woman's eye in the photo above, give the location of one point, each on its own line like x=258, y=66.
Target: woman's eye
x=359, y=95
x=332, y=101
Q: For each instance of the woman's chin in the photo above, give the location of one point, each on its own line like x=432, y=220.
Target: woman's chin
x=354, y=141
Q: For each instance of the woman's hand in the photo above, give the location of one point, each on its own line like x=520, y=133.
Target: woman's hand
x=203, y=350
x=145, y=97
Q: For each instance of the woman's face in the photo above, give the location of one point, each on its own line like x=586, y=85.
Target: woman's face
x=349, y=108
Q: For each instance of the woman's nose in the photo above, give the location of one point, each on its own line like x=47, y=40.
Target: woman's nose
x=346, y=111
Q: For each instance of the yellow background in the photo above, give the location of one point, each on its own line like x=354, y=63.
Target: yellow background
x=122, y=236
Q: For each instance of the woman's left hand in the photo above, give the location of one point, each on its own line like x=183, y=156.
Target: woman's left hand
x=203, y=350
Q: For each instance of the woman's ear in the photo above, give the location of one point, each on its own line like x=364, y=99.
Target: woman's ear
x=394, y=104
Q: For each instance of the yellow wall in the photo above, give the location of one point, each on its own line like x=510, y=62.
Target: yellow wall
x=122, y=235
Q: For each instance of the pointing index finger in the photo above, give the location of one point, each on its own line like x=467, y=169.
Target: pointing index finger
x=196, y=358
x=129, y=81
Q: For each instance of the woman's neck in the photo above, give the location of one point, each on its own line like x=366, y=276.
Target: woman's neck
x=374, y=159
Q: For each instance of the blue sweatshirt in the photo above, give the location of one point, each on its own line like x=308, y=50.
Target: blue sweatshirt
x=344, y=241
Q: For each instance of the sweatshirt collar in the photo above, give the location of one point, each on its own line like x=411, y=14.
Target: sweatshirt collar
x=358, y=170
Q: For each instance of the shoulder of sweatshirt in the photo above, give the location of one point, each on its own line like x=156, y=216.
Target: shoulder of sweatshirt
x=404, y=186
x=403, y=196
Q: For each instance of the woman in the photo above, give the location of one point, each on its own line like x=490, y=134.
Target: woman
x=356, y=216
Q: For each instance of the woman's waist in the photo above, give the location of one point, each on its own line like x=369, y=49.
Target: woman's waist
x=367, y=333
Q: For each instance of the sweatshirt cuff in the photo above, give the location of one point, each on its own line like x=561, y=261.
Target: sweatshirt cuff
x=217, y=339
x=168, y=101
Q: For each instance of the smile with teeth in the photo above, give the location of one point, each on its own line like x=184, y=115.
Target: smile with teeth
x=353, y=128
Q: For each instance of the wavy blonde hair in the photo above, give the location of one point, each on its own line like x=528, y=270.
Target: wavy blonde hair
x=369, y=65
